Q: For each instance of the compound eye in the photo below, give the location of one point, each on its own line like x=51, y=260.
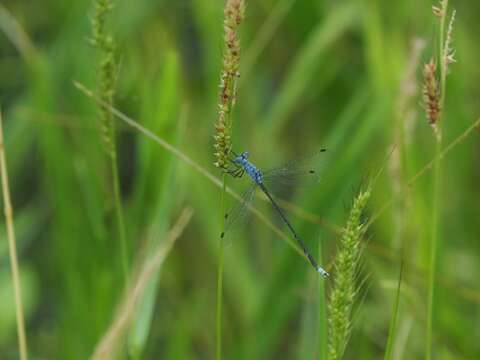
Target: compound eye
x=245, y=154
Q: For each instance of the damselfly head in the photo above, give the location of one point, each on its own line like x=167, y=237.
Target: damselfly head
x=245, y=155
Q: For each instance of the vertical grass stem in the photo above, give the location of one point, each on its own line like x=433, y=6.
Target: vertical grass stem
x=22, y=338
x=119, y=215
x=436, y=187
x=107, y=77
x=220, y=273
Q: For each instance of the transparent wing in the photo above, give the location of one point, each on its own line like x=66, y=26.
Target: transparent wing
x=237, y=216
x=301, y=172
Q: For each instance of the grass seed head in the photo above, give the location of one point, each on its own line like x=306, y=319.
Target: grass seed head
x=234, y=14
x=431, y=94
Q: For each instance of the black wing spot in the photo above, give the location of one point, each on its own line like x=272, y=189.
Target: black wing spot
x=312, y=171
x=222, y=235
x=323, y=150
x=226, y=216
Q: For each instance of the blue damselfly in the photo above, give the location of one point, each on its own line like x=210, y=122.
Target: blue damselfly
x=288, y=174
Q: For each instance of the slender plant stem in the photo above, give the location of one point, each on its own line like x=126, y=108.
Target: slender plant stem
x=119, y=212
x=434, y=242
x=22, y=338
x=436, y=187
x=433, y=252
x=322, y=313
x=220, y=272
x=108, y=71
x=393, y=321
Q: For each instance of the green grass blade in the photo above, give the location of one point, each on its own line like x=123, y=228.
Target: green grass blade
x=307, y=62
x=282, y=8
x=153, y=199
x=392, y=332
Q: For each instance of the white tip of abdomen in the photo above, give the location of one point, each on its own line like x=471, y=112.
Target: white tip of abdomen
x=323, y=272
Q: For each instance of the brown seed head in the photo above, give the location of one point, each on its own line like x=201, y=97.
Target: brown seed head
x=431, y=93
x=234, y=13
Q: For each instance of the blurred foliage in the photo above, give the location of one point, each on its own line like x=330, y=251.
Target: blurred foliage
x=328, y=75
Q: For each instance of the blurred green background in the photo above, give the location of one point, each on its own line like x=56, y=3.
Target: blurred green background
x=313, y=74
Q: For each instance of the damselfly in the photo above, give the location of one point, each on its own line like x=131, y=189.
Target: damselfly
x=287, y=174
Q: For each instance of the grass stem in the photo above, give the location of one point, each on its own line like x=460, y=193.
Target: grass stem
x=393, y=323
x=322, y=313
x=108, y=70
x=220, y=273
x=436, y=187
x=22, y=338
x=119, y=215
x=433, y=253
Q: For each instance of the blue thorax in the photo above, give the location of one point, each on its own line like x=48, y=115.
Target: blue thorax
x=250, y=169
